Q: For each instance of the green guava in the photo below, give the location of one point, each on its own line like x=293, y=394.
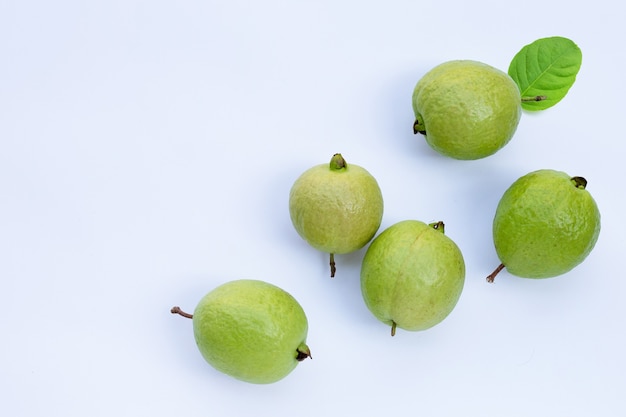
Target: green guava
x=546, y=223
x=251, y=330
x=337, y=208
x=466, y=109
x=412, y=275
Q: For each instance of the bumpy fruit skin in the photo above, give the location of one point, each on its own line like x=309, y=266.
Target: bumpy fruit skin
x=412, y=275
x=336, y=208
x=251, y=330
x=466, y=109
x=546, y=223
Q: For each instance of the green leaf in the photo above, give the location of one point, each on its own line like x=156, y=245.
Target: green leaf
x=545, y=70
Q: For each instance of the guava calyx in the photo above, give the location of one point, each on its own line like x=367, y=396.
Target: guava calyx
x=337, y=162
x=418, y=127
x=303, y=352
x=579, y=182
x=440, y=226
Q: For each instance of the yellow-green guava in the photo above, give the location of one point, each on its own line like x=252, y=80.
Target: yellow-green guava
x=251, y=330
x=466, y=109
x=546, y=223
x=412, y=275
x=337, y=207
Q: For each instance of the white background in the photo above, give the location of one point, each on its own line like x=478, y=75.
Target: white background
x=147, y=149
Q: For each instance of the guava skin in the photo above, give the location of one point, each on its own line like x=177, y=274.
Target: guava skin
x=337, y=208
x=466, y=109
x=546, y=223
x=412, y=275
x=251, y=330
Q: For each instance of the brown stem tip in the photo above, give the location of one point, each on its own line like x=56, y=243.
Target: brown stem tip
x=177, y=310
x=492, y=276
x=393, y=328
x=333, y=269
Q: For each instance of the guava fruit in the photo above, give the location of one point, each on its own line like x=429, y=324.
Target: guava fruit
x=251, y=330
x=337, y=207
x=545, y=224
x=466, y=109
x=412, y=275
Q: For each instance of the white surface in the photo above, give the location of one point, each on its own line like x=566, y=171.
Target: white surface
x=147, y=149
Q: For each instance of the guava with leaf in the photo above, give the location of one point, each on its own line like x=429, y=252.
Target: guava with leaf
x=412, y=275
x=469, y=110
x=251, y=330
x=545, y=224
x=336, y=207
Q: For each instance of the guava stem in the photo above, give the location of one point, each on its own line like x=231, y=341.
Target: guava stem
x=535, y=98
x=492, y=276
x=177, y=310
x=418, y=128
x=393, y=328
x=332, y=265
